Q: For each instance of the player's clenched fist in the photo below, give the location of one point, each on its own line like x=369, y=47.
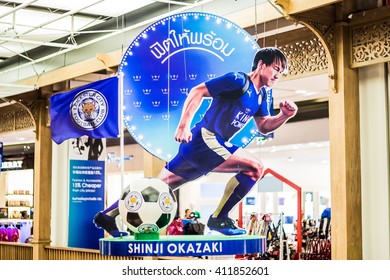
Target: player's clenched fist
x=288, y=108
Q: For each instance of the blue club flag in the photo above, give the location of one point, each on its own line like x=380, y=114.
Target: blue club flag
x=90, y=110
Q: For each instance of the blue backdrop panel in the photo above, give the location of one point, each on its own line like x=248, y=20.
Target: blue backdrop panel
x=165, y=61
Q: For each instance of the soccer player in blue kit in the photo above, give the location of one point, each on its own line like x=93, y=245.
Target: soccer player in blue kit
x=206, y=148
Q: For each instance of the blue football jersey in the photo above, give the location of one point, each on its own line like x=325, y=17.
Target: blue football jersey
x=226, y=116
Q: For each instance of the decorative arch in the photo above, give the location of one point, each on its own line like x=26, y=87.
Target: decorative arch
x=20, y=115
x=324, y=33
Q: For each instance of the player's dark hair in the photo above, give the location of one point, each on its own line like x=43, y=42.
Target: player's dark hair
x=268, y=56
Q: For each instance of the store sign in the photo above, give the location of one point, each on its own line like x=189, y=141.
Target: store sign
x=86, y=190
x=14, y=164
x=165, y=61
x=86, y=198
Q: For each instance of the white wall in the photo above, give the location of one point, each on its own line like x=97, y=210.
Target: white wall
x=60, y=194
x=374, y=125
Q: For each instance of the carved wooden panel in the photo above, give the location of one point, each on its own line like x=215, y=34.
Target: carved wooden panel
x=305, y=58
x=326, y=32
x=370, y=44
x=19, y=119
x=7, y=121
x=23, y=120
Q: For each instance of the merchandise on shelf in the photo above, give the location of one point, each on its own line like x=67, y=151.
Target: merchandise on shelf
x=3, y=233
x=13, y=233
x=17, y=187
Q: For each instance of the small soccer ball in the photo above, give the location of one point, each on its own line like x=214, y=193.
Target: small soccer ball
x=147, y=205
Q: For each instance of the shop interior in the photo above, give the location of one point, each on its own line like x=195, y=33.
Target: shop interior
x=299, y=152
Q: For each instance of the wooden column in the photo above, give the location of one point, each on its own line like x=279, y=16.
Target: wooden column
x=344, y=134
x=152, y=165
x=42, y=184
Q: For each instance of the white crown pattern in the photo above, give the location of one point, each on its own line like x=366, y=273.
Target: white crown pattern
x=137, y=104
x=184, y=91
x=175, y=103
x=192, y=76
x=137, y=78
x=155, y=77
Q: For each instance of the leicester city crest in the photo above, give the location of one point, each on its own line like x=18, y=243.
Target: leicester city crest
x=133, y=201
x=148, y=228
x=89, y=109
x=166, y=202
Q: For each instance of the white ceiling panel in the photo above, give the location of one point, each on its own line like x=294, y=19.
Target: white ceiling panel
x=11, y=49
x=106, y=8
x=120, y=7
x=26, y=26
x=11, y=89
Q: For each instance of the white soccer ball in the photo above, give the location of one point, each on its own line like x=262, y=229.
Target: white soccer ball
x=147, y=205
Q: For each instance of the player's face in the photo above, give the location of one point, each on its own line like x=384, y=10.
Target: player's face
x=271, y=73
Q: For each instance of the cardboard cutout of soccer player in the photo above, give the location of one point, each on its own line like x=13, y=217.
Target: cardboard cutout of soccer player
x=220, y=113
x=206, y=147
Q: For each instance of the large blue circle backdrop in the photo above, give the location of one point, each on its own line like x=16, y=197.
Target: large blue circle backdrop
x=165, y=61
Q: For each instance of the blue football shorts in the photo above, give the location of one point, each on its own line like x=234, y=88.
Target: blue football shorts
x=200, y=156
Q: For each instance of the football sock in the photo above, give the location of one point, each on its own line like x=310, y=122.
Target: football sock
x=235, y=191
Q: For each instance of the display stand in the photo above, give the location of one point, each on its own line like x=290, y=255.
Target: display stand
x=183, y=246
x=299, y=206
